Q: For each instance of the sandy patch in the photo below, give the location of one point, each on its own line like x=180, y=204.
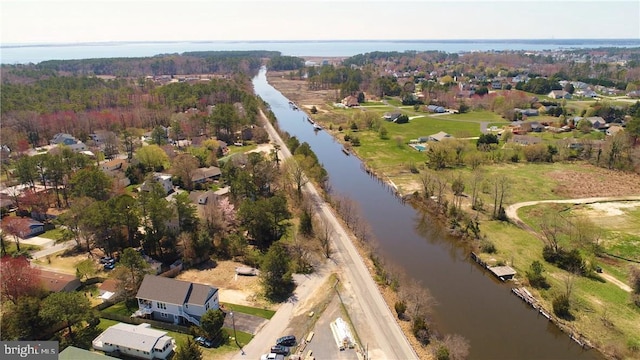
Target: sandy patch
x=234, y=289
x=263, y=148
x=614, y=208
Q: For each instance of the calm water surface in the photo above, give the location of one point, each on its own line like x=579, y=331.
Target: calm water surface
x=24, y=53
x=470, y=302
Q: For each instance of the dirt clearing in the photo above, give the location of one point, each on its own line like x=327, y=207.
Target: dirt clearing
x=235, y=289
x=595, y=182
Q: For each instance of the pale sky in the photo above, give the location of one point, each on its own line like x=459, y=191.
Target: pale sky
x=30, y=21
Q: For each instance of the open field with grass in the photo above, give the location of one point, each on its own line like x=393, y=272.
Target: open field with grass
x=603, y=311
x=263, y=313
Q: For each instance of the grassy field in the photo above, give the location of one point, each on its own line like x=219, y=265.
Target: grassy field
x=476, y=116
x=603, y=312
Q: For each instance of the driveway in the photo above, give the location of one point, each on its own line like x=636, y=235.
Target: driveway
x=244, y=322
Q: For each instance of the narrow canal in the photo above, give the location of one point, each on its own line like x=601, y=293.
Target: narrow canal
x=470, y=302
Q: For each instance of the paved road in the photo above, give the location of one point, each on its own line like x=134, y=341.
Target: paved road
x=367, y=307
x=53, y=249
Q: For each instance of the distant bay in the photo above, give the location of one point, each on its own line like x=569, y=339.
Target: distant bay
x=35, y=53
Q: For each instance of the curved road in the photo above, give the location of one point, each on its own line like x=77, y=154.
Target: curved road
x=367, y=308
x=512, y=213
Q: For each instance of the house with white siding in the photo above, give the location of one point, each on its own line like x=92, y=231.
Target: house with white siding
x=139, y=341
x=180, y=302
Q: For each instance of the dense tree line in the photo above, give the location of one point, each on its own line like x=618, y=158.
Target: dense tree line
x=33, y=112
x=197, y=62
x=280, y=63
x=539, y=85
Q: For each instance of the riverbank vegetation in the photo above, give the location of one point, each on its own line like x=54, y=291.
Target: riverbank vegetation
x=554, y=154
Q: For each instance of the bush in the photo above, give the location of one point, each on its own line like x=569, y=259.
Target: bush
x=402, y=119
x=420, y=330
x=535, y=277
x=442, y=353
x=487, y=247
x=400, y=307
x=570, y=261
x=561, y=306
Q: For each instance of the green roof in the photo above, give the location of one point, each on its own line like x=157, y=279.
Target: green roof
x=74, y=353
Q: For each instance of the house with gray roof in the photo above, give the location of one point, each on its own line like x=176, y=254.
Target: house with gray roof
x=202, y=175
x=176, y=301
x=140, y=341
x=64, y=139
x=74, y=353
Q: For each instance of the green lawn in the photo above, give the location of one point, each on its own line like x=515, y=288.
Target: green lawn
x=119, y=309
x=263, y=313
x=476, y=116
x=54, y=234
x=603, y=312
x=11, y=246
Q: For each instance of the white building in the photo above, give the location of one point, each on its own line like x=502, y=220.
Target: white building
x=139, y=341
x=163, y=179
x=176, y=301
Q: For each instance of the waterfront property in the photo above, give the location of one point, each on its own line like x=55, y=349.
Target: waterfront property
x=139, y=341
x=503, y=273
x=171, y=300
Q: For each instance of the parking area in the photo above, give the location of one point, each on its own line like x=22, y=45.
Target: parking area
x=323, y=344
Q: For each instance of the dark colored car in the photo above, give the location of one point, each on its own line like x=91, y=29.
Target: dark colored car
x=109, y=266
x=203, y=342
x=279, y=349
x=288, y=340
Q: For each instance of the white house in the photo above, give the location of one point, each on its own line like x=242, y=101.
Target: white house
x=139, y=341
x=171, y=300
x=163, y=179
x=559, y=94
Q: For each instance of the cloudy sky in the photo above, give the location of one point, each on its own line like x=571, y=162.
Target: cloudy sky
x=27, y=21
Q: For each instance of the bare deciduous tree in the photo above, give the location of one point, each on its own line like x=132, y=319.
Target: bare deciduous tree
x=457, y=345
x=295, y=174
x=501, y=187
x=552, y=227
x=324, y=237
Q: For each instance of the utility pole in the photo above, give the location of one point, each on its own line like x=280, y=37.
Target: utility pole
x=235, y=337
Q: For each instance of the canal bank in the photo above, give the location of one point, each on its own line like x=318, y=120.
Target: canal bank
x=470, y=302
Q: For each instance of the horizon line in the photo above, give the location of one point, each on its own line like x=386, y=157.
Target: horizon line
x=90, y=43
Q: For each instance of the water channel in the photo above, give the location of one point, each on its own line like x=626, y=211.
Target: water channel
x=470, y=302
